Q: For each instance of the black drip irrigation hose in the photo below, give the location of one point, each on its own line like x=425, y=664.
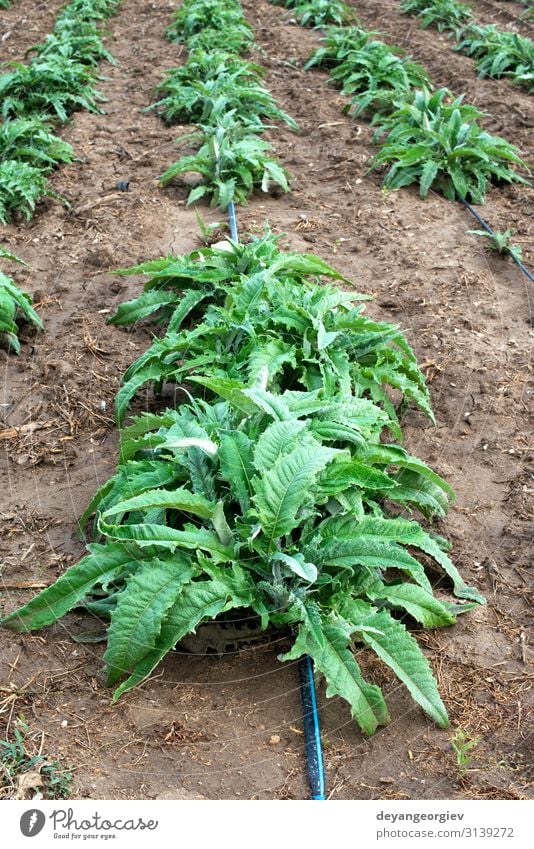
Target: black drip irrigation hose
x=488, y=229
x=312, y=730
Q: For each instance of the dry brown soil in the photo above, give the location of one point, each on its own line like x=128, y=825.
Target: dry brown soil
x=229, y=726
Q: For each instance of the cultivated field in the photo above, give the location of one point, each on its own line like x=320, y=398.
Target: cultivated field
x=228, y=725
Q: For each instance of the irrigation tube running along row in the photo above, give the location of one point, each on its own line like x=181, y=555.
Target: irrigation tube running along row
x=313, y=746
x=308, y=695
x=311, y=724
x=430, y=138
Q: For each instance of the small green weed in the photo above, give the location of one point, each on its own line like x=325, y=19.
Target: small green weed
x=22, y=772
x=207, y=230
x=462, y=745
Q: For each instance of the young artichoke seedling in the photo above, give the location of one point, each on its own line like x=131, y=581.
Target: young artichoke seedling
x=501, y=242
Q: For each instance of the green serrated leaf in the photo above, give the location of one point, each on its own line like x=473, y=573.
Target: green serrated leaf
x=142, y=607
x=200, y=601
x=102, y=563
x=282, y=490
x=343, y=676
x=399, y=650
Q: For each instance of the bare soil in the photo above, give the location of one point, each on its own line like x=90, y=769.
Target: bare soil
x=229, y=726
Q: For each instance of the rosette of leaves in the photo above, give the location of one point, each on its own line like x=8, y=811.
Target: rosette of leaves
x=50, y=88
x=209, y=24
x=374, y=76
x=318, y=13
x=87, y=10
x=244, y=506
x=500, y=54
x=236, y=39
x=202, y=67
x=15, y=306
x=435, y=141
x=202, y=94
x=444, y=14
x=501, y=242
x=257, y=307
x=232, y=161
x=31, y=141
x=76, y=36
x=76, y=41
x=337, y=44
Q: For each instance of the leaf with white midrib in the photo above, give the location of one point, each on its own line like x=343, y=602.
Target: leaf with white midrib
x=148, y=534
x=379, y=554
x=279, y=438
x=174, y=499
x=418, y=602
x=148, y=302
x=235, y=462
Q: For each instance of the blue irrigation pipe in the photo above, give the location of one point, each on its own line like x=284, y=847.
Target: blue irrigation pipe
x=233, y=222
x=488, y=229
x=312, y=729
